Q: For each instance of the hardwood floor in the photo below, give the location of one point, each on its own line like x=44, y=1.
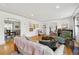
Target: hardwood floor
x=36, y=38
x=68, y=51
x=7, y=48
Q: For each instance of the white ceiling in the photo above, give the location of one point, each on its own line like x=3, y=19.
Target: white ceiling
x=40, y=11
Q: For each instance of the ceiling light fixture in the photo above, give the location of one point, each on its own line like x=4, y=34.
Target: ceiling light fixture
x=32, y=14
x=57, y=6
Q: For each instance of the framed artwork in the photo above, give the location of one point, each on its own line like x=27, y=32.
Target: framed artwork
x=30, y=29
x=64, y=26
x=33, y=26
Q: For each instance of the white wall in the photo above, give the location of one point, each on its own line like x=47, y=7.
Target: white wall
x=25, y=27
x=59, y=22
x=1, y=32
x=24, y=24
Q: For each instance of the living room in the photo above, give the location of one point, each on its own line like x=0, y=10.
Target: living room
x=41, y=24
